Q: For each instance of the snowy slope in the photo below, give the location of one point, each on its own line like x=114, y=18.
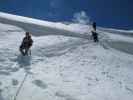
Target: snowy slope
x=63, y=68
x=44, y=27
x=118, y=31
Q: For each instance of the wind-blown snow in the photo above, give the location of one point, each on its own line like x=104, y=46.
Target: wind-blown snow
x=64, y=68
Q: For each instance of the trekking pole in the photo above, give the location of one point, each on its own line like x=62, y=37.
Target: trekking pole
x=30, y=52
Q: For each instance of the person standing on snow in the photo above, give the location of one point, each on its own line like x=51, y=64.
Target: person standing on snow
x=94, y=33
x=26, y=44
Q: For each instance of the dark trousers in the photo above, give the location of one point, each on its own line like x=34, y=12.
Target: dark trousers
x=95, y=36
x=24, y=50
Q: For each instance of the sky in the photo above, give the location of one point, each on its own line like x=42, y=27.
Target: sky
x=106, y=13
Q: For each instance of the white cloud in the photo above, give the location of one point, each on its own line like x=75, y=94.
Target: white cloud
x=81, y=17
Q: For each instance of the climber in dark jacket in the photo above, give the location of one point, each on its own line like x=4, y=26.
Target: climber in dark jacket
x=26, y=44
x=94, y=33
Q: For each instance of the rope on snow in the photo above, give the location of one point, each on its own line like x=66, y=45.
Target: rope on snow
x=19, y=88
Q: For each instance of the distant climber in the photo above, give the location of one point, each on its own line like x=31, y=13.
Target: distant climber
x=94, y=33
x=26, y=44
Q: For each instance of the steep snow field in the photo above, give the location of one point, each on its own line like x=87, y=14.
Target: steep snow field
x=64, y=67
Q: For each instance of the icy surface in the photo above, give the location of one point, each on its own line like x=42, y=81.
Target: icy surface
x=64, y=68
